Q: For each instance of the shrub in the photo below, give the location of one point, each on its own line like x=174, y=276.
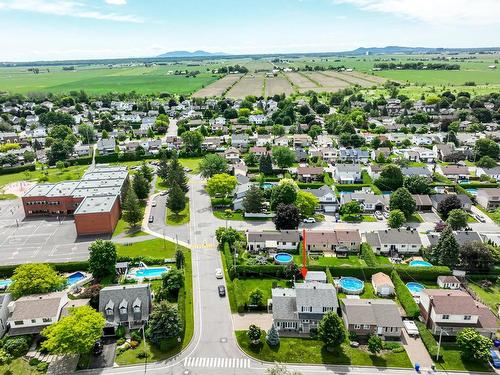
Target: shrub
x=142, y=354
x=428, y=339
x=42, y=367
x=368, y=255
x=120, y=331
x=17, y=346
x=120, y=341
x=33, y=362
x=136, y=336
x=133, y=344
x=404, y=296
x=5, y=357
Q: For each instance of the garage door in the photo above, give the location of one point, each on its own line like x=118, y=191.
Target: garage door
x=329, y=208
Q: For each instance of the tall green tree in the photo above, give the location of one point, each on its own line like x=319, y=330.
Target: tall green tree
x=221, y=184
x=75, y=333
x=457, y=219
x=192, y=141
x=140, y=186
x=283, y=156
x=146, y=172
x=254, y=334
x=176, y=200
x=287, y=217
x=273, y=337
x=375, y=344
x=285, y=192
x=417, y=184
x=402, y=200
x=176, y=175
x=306, y=203
x=266, y=165
x=102, y=259
x=473, y=344
x=476, y=256
x=212, y=164
x=448, y=204
x=254, y=200
x=331, y=330
x=163, y=168
x=390, y=178
x=396, y=219
x=35, y=278
x=486, y=147
x=132, y=211
x=446, y=251
x=164, y=323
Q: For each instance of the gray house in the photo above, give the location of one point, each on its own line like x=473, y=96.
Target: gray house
x=4, y=312
x=394, y=241
x=126, y=305
x=328, y=201
x=300, y=309
x=367, y=317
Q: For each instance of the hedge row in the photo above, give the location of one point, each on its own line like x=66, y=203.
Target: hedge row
x=422, y=273
x=310, y=185
x=21, y=168
x=147, y=260
x=473, y=185
x=81, y=161
x=8, y=271
x=347, y=187
x=428, y=339
x=404, y=296
x=368, y=255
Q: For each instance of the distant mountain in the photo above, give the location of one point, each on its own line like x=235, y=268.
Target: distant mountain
x=191, y=54
x=413, y=50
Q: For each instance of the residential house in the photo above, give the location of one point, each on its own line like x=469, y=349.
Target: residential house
x=315, y=277
x=239, y=195
x=369, y=202
x=489, y=198
x=126, y=305
x=328, y=154
x=273, y=240
x=173, y=142
x=461, y=236
x=260, y=151
x=448, y=282
x=328, y=201
x=347, y=173
x=384, y=151
x=264, y=140
x=299, y=310
x=9, y=137
x=464, y=199
x=301, y=155
x=447, y=152
x=423, y=202
x=82, y=150
x=353, y=155
x=301, y=140
x=394, y=241
x=454, y=172
x=281, y=141
x=382, y=284
x=374, y=171
x=5, y=300
x=420, y=140
x=232, y=155
x=366, y=317
x=211, y=143
x=106, y=146
x=31, y=314
x=308, y=174
x=417, y=171
x=333, y=241
x=493, y=173
x=240, y=140
x=257, y=119
x=324, y=141
x=450, y=311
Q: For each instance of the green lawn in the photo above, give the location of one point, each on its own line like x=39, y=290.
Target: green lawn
x=123, y=226
x=52, y=175
x=5, y=197
x=350, y=261
x=471, y=219
x=309, y=351
x=415, y=218
x=452, y=359
x=192, y=163
x=494, y=215
x=179, y=219
x=237, y=216
x=358, y=218
x=157, y=248
x=243, y=288
x=18, y=366
x=382, y=259
x=490, y=296
x=368, y=292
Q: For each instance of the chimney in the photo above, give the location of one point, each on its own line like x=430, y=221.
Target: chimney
x=11, y=306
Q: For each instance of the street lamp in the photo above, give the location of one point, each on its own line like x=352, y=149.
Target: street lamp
x=439, y=343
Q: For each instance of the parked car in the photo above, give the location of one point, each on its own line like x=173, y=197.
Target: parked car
x=222, y=290
x=163, y=193
x=151, y=219
x=480, y=218
x=218, y=273
x=153, y=204
x=186, y=169
x=495, y=357
x=309, y=220
x=386, y=214
x=379, y=215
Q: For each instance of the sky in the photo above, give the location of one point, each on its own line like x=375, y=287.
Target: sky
x=33, y=30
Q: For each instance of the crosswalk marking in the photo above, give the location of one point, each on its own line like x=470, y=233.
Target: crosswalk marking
x=212, y=362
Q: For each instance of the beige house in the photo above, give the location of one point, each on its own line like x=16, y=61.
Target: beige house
x=382, y=284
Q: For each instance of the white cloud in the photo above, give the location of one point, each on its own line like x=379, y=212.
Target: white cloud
x=116, y=2
x=66, y=8
x=448, y=12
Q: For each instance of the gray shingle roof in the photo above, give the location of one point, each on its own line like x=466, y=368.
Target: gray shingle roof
x=126, y=296
x=379, y=312
x=284, y=235
x=316, y=295
x=461, y=237
x=394, y=236
x=284, y=306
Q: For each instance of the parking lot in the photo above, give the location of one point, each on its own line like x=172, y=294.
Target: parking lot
x=38, y=239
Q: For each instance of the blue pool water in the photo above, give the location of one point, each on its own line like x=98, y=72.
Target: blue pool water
x=472, y=191
x=420, y=263
x=414, y=287
x=74, y=278
x=267, y=185
x=150, y=272
x=283, y=258
x=465, y=181
x=351, y=285
x=5, y=283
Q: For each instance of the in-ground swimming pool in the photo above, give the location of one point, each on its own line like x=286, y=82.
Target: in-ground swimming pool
x=4, y=284
x=420, y=263
x=74, y=278
x=472, y=191
x=283, y=258
x=267, y=185
x=150, y=273
x=414, y=288
x=351, y=285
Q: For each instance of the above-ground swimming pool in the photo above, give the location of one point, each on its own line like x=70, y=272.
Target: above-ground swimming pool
x=74, y=278
x=351, y=285
x=150, y=273
x=4, y=284
x=414, y=288
x=283, y=258
x=420, y=263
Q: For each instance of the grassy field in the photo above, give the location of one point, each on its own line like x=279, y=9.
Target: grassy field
x=243, y=288
x=309, y=351
x=490, y=296
x=52, y=174
x=156, y=248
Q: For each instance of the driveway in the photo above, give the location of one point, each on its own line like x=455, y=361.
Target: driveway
x=107, y=357
x=416, y=351
x=242, y=321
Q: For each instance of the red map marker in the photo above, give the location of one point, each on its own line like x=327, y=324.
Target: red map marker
x=303, y=270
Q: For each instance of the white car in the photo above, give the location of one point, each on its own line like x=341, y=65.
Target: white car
x=186, y=169
x=218, y=273
x=386, y=214
x=309, y=220
x=153, y=204
x=379, y=215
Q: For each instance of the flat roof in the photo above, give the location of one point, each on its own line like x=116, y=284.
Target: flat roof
x=96, y=204
x=96, y=191
x=39, y=190
x=63, y=189
x=108, y=175
x=98, y=184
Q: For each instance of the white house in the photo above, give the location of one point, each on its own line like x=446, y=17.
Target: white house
x=382, y=284
x=272, y=240
x=394, y=241
x=448, y=282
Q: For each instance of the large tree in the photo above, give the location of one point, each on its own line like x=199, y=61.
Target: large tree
x=473, y=344
x=75, y=333
x=164, y=323
x=283, y=156
x=254, y=199
x=451, y=202
x=192, y=141
x=396, y=219
x=102, y=259
x=390, y=178
x=351, y=208
x=306, y=203
x=446, y=251
x=213, y=164
x=331, y=330
x=176, y=200
x=486, y=162
x=254, y=334
x=486, y=147
x=87, y=133
x=266, y=165
x=175, y=174
x=402, y=200
x=140, y=186
x=287, y=217
x=221, y=184
x=457, y=219
x=417, y=184
x=34, y=278
x=476, y=256
x=172, y=282
x=285, y=192
x=132, y=211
